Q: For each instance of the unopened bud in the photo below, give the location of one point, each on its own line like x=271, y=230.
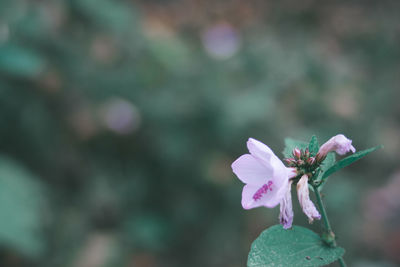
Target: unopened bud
x=306, y=153
x=311, y=160
x=300, y=162
x=297, y=153
x=290, y=161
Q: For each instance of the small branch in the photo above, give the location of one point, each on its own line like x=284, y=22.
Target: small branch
x=322, y=209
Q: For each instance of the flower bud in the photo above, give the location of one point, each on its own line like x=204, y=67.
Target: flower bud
x=307, y=153
x=311, y=160
x=300, y=162
x=339, y=143
x=290, y=161
x=297, y=153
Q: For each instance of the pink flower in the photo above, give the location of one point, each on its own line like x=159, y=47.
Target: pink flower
x=266, y=178
x=304, y=199
x=338, y=143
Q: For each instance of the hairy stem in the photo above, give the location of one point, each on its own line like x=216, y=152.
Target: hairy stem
x=328, y=236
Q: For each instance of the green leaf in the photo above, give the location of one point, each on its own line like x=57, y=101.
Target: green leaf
x=326, y=165
x=348, y=160
x=313, y=146
x=290, y=144
x=296, y=247
x=328, y=162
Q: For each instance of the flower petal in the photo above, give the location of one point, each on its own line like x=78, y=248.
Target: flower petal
x=304, y=198
x=250, y=171
x=286, y=209
x=280, y=170
x=268, y=194
x=259, y=150
x=292, y=172
x=265, y=156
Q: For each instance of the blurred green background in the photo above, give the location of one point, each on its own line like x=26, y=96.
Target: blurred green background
x=120, y=119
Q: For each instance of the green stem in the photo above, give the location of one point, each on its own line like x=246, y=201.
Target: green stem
x=329, y=236
x=322, y=209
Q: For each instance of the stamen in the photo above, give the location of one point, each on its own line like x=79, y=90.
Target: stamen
x=263, y=190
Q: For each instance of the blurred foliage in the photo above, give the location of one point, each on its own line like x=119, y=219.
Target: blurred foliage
x=129, y=114
x=20, y=193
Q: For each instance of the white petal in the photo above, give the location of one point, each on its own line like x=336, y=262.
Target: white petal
x=250, y=170
x=280, y=170
x=247, y=197
x=259, y=150
x=292, y=172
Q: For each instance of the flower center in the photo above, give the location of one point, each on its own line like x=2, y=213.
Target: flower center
x=263, y=190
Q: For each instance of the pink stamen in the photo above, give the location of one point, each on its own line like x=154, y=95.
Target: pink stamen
x=263, y=190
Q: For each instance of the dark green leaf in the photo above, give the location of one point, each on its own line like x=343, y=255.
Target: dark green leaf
x=290, y=144
x=313, y=146
x=296, y=247
x=348, y=160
